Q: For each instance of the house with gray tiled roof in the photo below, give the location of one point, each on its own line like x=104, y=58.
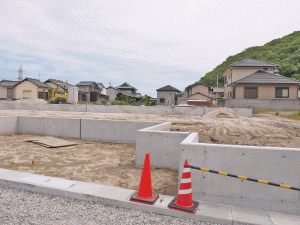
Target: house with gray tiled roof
x=7, y=89
x=30, y=88
x=167, y=95
x=90, y=91
x=124, y=88
x=256, y=79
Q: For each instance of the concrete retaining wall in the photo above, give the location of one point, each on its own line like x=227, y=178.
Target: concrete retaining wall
x=59, y=127
x=175, y=110
x=270, y=104
x=273, y=164
x=8, y=124
x=118, y=131
x=163, y=146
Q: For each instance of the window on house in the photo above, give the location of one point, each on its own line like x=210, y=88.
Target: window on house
x=268, y=68
x=282, y=92
x=161, y=100
x=251, y=93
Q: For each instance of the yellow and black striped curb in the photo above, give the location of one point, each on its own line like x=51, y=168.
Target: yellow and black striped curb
x=245, y=178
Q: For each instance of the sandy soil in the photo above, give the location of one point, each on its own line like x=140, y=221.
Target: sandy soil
x=221, y=127
x=90, y=161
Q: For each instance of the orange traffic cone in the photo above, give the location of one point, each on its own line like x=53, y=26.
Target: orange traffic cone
x=144, y=194
x=184, y=201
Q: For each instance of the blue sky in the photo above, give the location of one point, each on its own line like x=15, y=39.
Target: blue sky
x=146, y=44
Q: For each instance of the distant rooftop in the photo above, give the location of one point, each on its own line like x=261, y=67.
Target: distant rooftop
x=248, y=62
x=34, y=81
x=125, y=86
x=168, y=88
x=8, y=83
x=54, y=81
x=262, y=77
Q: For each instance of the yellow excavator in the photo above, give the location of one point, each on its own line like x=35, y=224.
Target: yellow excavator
x=59, y=95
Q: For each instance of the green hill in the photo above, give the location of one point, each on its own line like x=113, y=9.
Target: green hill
x=283, y=51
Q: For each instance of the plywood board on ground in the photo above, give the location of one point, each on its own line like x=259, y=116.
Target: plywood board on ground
x=51, y=142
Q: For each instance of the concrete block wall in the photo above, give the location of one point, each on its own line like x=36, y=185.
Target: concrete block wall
x=59, y=127
x=273, y=164
x=163, y=146
x=174, y=110
x=8, y=125
x=270, y=104
x=119, y=131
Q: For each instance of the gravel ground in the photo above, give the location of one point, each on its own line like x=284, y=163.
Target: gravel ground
x=24, y=207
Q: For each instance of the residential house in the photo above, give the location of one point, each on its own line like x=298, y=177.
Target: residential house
x=30, y=88
x=255, y=79
x=89, y=91
x=124, y=88
x=167, y=95
x=7, y=89
x=101, y=87
x=61, y=85
x=182, y=97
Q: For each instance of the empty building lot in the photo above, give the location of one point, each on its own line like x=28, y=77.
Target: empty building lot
x=114, y=164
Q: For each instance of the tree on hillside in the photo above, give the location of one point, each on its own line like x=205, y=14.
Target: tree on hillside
x=283, y=51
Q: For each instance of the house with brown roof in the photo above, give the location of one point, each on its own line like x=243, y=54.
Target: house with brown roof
x=167, y=95
x=30, y=88
x=7, y=89
x=255, y=79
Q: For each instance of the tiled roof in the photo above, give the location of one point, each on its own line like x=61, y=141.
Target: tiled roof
x=96, y=91
x=253, y=63
x=100, y=84
x=200, y=94
x=54, y=81
x=168, y=88
x=8, y=83
x=262, y=77
x=86, y=83
x=126, y=86
x=200, y=84
x=34, y=81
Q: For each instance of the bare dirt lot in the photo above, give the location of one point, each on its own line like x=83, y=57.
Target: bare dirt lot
x=114, y=164
x=90, y=161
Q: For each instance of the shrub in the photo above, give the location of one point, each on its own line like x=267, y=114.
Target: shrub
x=103, y=102
x=117, y=103
x=107, y=97
x=277, y=113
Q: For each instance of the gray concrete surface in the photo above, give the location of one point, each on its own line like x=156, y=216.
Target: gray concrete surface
x=164, y=146
x=118, y=131
x=8, y=124
x=174, y=110
x=270, y=104
x=273, y=164
x=113, y=196
x=49, y=126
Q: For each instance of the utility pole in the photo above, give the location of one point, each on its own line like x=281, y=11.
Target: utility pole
x=20, y=73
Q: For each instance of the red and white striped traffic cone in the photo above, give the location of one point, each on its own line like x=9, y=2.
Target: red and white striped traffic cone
x=184, y=201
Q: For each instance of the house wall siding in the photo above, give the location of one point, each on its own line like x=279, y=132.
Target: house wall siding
x=199, y=88
x=267, y=91
x=26, y=86
x=3, y=92
x=166, y=95
x=112, y=93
